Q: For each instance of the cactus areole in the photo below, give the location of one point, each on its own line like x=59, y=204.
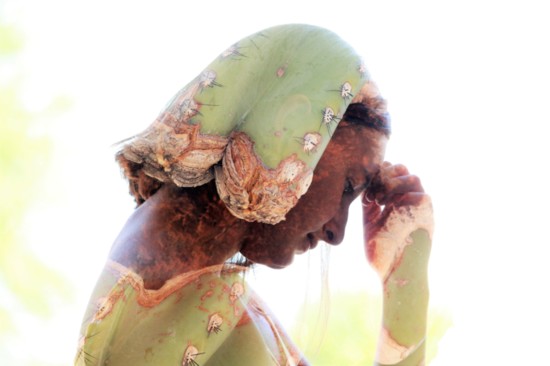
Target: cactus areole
x=257, y=119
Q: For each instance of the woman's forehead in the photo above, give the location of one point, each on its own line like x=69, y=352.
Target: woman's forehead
x=356, y=147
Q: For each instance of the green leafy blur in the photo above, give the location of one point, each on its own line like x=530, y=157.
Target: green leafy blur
x=349, y=332
x=26, y=282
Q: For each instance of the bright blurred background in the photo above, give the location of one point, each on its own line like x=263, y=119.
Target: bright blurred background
x=468, y=88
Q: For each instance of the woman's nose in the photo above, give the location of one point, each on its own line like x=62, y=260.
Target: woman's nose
x=335, y=228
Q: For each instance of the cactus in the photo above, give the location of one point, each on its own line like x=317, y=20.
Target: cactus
x=268, y=106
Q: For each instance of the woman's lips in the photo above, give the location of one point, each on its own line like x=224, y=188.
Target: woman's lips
x=312, y=241
x=308, y=244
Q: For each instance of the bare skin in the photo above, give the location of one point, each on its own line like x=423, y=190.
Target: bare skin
x=178, y=230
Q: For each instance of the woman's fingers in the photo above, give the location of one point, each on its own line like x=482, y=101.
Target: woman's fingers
x=392, y=187
x=389, y=170
x=391, y=182
x=371, y=211
x=371, y=220
x=396, y=186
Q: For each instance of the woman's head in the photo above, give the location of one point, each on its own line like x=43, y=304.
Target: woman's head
x=259, y=119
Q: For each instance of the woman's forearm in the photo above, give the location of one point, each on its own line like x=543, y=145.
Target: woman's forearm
x=398, y=243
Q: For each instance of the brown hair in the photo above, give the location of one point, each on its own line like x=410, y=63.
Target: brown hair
x=361, y=115
x=141, y=185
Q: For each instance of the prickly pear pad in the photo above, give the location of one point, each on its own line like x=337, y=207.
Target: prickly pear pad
x=266, y=107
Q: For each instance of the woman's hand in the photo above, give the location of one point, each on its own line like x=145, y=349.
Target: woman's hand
x=398, y=223
x=393, y=206
x=393, y=184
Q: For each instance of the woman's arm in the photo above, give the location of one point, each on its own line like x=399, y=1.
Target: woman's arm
x=398, y=224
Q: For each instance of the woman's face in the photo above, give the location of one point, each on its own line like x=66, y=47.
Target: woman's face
x=351, y=158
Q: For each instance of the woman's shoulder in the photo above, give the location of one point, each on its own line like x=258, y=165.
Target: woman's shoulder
x=203, y=316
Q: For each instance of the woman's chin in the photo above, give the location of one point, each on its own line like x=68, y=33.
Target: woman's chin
x=279, y=262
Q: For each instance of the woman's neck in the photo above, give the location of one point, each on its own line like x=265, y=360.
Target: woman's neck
x=178, y=230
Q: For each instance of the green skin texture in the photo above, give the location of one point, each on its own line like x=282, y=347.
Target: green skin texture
x=405, y=307
x=275, y=88
x=141, y=332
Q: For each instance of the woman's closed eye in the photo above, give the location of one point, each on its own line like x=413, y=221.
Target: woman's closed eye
x=348, y=187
